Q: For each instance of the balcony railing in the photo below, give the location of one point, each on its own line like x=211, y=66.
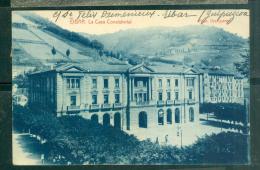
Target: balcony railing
x=118, y=105
x=169, y=102
x=142, y=103
x=177, y=102
x=105, y=90
x=160, y=103
x=191, y=101
x=106, y=106
x=94, y=107
x=73, y=108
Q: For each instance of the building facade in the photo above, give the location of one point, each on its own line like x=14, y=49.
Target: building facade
x=218, y=86
x=124, y=96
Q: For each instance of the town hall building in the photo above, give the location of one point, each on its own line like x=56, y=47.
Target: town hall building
x=144, y=100
x=120, y=95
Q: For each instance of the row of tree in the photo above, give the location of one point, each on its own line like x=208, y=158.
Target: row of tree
x=80, y=141
x=232, y=112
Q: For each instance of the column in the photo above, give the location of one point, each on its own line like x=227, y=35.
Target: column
x=151, y=88
x=64, y=85
x=82, y=92
x=132, y=89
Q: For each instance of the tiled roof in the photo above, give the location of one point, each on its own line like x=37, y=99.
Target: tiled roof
x=213, y=71
x=102, y=67
x=169, y=68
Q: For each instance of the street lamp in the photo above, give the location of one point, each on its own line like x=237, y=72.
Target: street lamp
x=179, y=133
x=222, y=110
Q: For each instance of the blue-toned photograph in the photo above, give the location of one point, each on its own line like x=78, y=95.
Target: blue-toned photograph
x=130, y=87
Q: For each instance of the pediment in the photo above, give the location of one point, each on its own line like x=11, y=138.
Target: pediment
x=141, y=69
x=190, y=71
x=74, y=69
x=70, y=68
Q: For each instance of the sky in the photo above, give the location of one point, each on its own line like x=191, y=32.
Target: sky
x=96, y=25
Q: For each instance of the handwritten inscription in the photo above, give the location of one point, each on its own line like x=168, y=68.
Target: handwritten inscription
x=204, y=17
x=220, y=16
x=178, y=14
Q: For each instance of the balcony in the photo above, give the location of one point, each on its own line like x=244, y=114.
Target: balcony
x=177, y=102
x=169, y=102
x=142, y=103
x=105, y=90
x=191, y=101
x=94, y=107
x=106, y=106
x=73, y=108
x=118, y=105
x=160, y=103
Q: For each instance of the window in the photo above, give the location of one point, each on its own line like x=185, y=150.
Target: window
x=68, y=83
x=105, y=83
x=160, y=83
x=169, y=116
x=190, y=82
x=77, y=83
x=176, y=82
x=73, y=83
x=140, y=84
x=142, y=120
x=94, y=99
x=73, y=100
x=177, y=115
x=94, y=83
x=116, y=83
x=168, y=83
x=168, y=95
x=145, y=97
x=160, y=117
x=106, y=99
x=191, y=114
x=117, y=98
x=160, y=96
x=190, y=94
x=176, y=95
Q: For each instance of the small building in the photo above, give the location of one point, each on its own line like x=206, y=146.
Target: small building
x=219, y=86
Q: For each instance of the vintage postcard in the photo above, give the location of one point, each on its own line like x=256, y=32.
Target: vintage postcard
x=130, y=87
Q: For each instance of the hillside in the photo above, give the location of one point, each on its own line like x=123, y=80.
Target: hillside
x=34, y=38
x=195, y=44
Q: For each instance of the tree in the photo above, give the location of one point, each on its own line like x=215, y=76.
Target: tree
x=68, y=52
x=243, y=66
x=53, y=51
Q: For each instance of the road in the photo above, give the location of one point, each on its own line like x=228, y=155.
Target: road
x=25, y=150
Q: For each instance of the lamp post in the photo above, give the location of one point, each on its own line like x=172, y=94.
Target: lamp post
x=179, y=133
x=222, y=110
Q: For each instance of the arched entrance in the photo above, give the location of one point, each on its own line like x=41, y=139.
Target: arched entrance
x=117, y=120
x=94, y=118
x=169, y=116
x=142, y=120
x=106, y=119
x=177, y=115
x=160, y=117
x=191, y=114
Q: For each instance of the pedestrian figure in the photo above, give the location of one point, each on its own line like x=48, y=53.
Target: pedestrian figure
x=42, y=158
x=157, y=140
x=166, y=139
